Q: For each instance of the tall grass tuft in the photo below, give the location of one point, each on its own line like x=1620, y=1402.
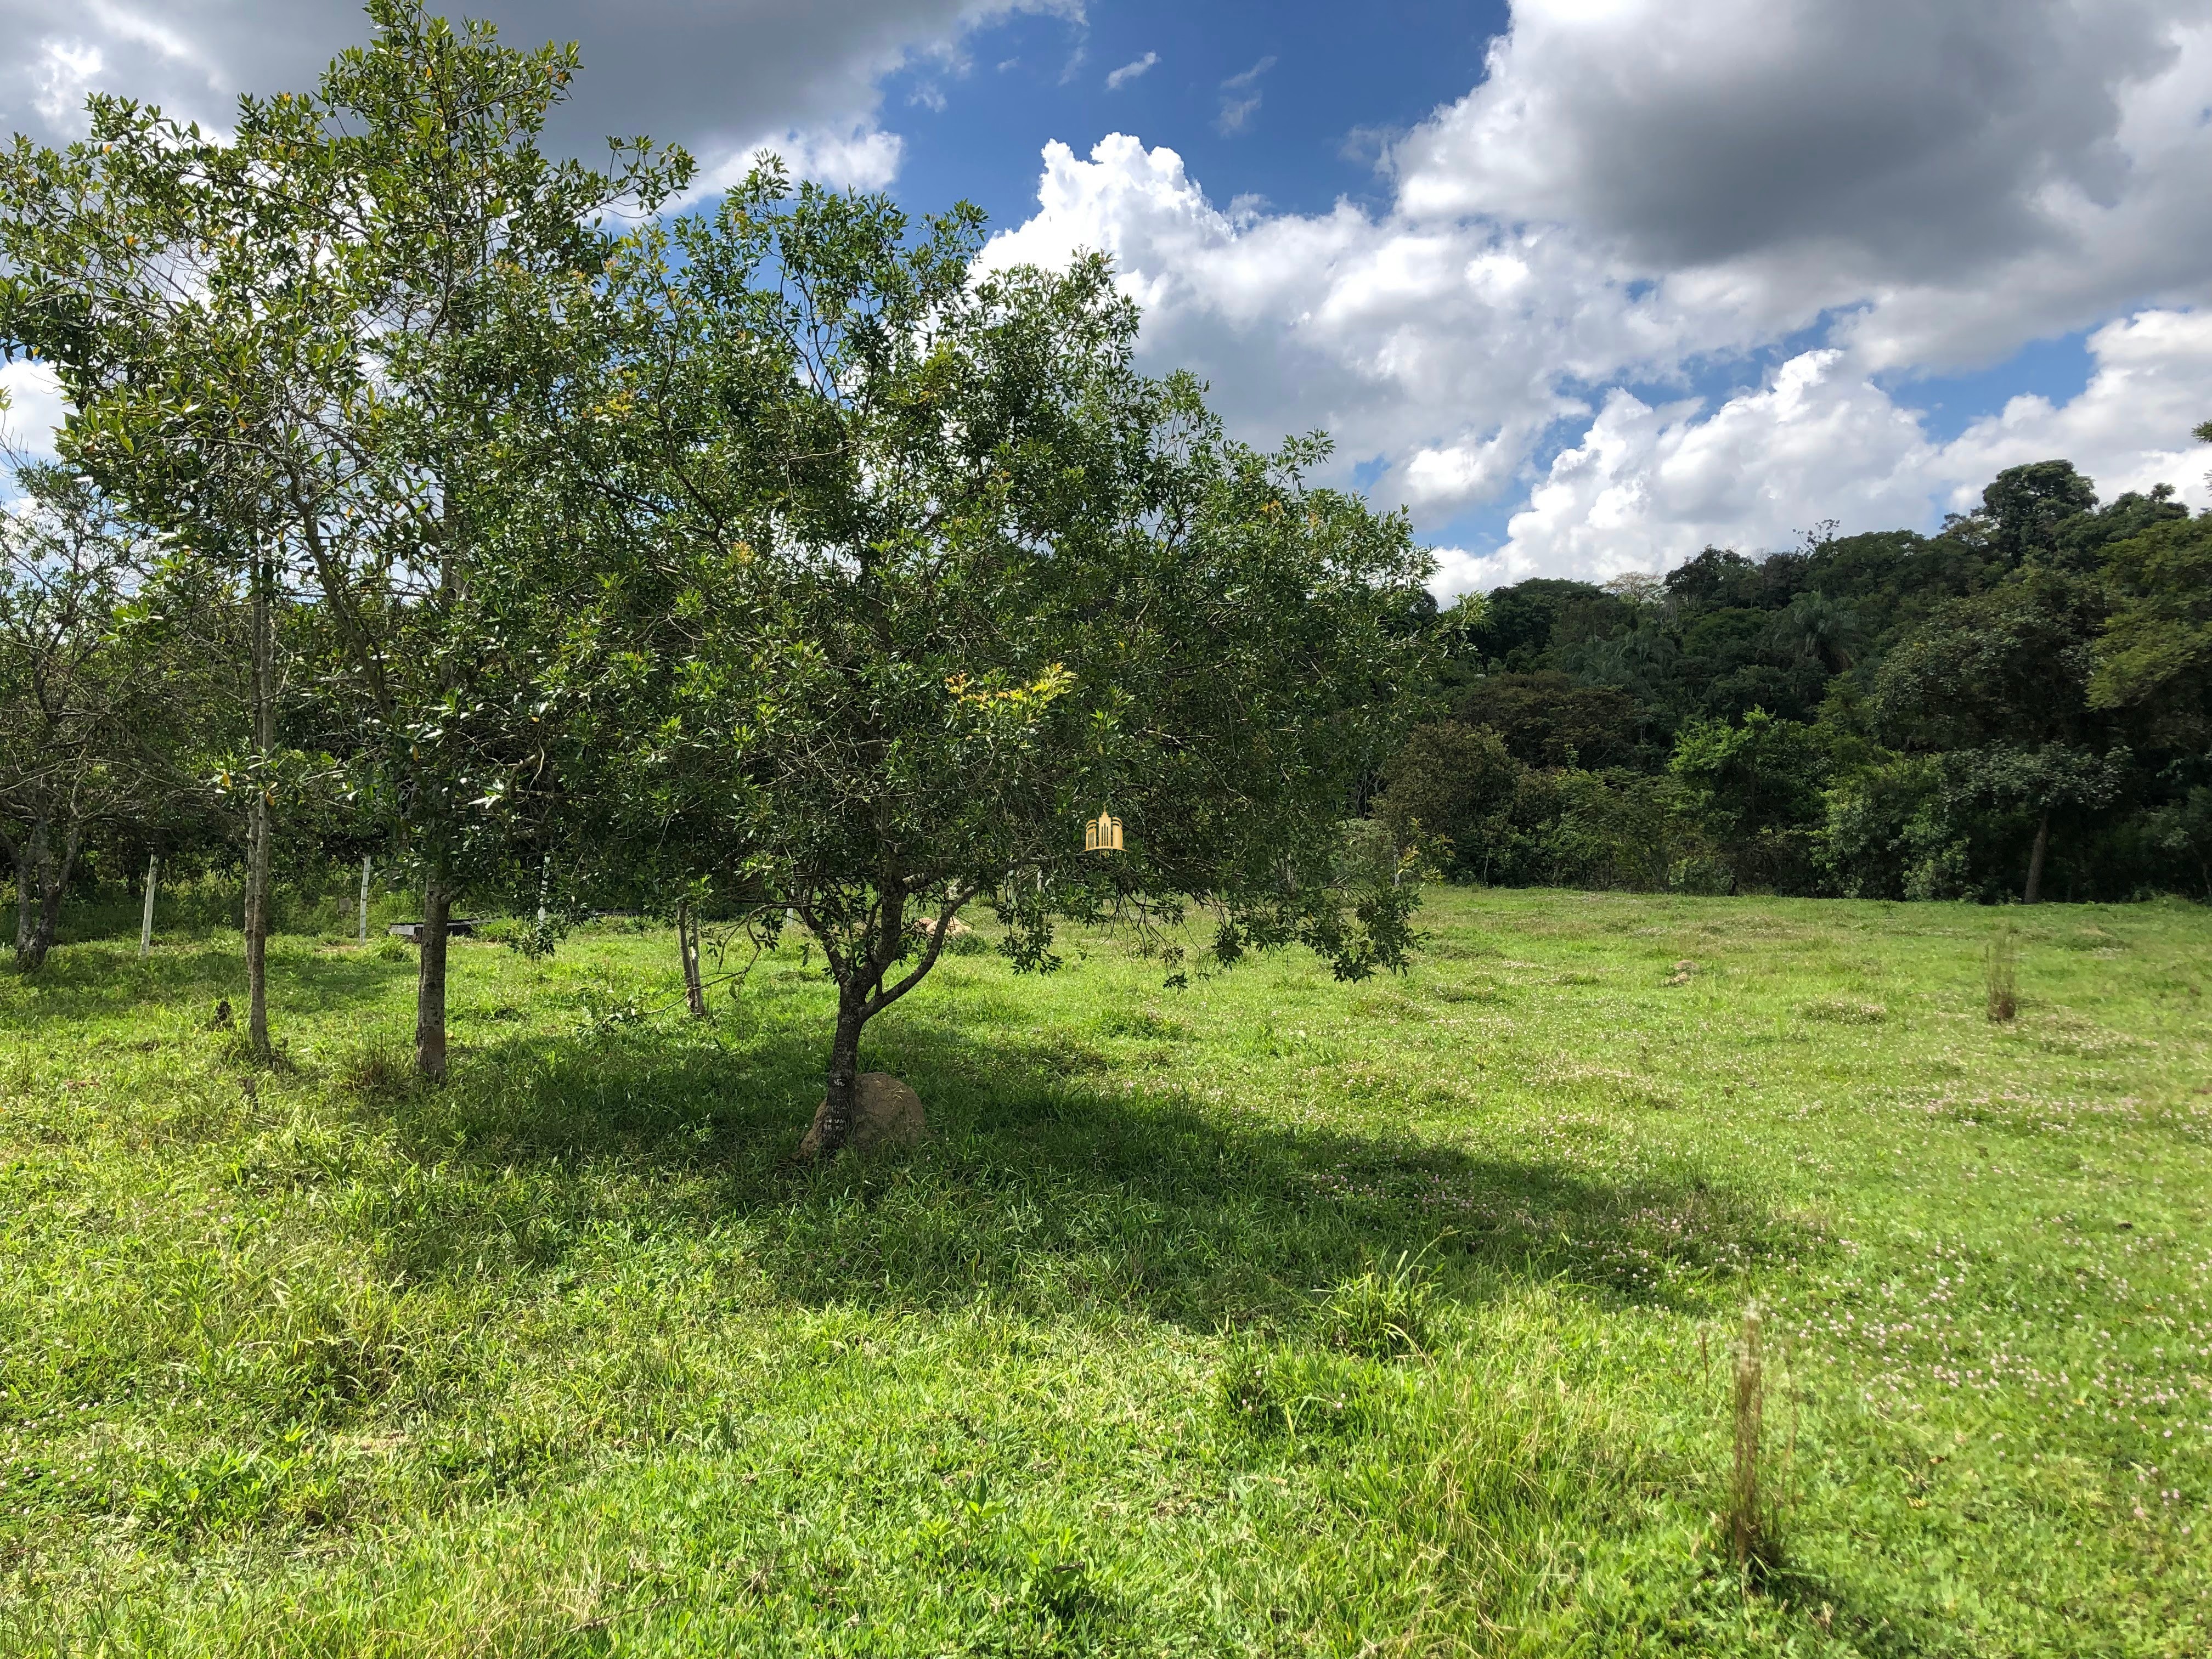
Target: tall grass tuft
x=2002, y=974
x=1752, y=1529
x=1384, y=1314
x=376, y=1070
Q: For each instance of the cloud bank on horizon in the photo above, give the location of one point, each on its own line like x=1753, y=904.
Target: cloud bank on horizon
x=1670, y=275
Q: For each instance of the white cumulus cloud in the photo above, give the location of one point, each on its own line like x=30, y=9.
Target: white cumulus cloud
x=1649, y=487
x=862, y=156
x=33, y=408
x=1639, y=196
x=61, y=77
x=1120, y=77
x=2128, y=429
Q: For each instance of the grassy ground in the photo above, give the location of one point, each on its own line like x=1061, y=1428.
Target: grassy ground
x=1272, y=1316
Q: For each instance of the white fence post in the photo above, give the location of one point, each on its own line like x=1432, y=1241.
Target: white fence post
x=146, y=921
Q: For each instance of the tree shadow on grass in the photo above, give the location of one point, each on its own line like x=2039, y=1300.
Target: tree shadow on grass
x=1050, y=1185
x=95, y=982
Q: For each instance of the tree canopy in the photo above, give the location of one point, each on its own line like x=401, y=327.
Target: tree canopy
x=488, y=516
x=939, y=575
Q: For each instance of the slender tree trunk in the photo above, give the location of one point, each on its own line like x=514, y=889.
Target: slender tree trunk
x=687, y=942
x=863, y=980
x=28, y=947
x=256, y=922
x=146, y=921
x=50, y=918
x=843, y=1094
x=51, y=875
x=24, y=860
x=2035, y=893
x=257, y=821
x=430, y=984
x=30, y=897
x=364, y=901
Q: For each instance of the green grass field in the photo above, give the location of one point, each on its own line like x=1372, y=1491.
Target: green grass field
x=1271, y=1316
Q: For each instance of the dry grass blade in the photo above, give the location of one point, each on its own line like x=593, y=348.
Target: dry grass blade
x=1748, y=1533
x=2004, y=973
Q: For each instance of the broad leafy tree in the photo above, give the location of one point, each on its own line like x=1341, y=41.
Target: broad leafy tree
x=465, y=251
x=1440, y=789
x=324, y=350
x=952, y=577
x=145, y=265
x=1753, y=787
x=2002, y=678
x=2155, y=654
x=2043, y=782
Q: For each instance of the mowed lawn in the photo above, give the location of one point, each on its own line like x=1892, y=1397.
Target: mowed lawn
x=1273, y=1315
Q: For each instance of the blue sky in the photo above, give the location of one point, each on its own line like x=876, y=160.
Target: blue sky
x=1584, y=285
x=1034, y=78
x=1304, y=131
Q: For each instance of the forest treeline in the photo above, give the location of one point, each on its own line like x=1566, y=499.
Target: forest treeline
x=2018, y=706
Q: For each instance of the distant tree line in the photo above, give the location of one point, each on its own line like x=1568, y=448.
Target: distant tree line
x=2017, y=707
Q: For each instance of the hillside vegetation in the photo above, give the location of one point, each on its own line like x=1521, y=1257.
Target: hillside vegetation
x=2015, y=706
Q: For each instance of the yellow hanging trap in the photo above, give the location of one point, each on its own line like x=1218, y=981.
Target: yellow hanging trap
x=1102, y=834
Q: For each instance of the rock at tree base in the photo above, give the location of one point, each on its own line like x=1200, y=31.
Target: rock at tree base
x=885, y=1113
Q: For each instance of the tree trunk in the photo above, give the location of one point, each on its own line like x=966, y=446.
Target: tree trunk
x=2035, y=893
x=24, y=877
x=364, y=901
x=256, y=922
x=541, y=941
x=844, y=1070
x=30, y=897
x=40, y=880
x=430, y=985
x=863, y=991
x=257, y=819
x=687, y=942
x=57, y=877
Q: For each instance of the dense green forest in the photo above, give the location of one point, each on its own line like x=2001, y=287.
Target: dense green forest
x=2019, y=707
